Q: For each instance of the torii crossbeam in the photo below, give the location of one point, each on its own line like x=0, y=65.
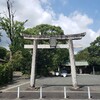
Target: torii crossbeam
x=68, y=38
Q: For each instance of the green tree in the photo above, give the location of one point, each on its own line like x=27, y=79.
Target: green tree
x=48, y=59
x=16, y=60
x=45, y=29
x=3, y=52
x=26, y=62
x=82, y=55
x=92, y=55
x=60, y=57
x=6, y=73
x=13, y=29
x=94, y=52
x=21, y=61
x=16, y=39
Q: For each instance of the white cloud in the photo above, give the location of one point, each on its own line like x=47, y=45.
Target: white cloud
x=44, y=1
x=74, y=23
x=34, y=11
x=82, y=20
x=77, y=23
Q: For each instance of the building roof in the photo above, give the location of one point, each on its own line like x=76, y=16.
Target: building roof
x=79, y=63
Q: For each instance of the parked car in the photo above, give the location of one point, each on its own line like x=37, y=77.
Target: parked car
x=64, y=73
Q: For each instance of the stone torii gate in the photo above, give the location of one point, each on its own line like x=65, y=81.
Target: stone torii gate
x=53, y=44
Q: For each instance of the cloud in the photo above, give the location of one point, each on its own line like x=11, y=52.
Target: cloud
x=81, y=19
x=74, y=23
x=36, y=13
x=64, y=2
x=77, y=23
x=44, y=1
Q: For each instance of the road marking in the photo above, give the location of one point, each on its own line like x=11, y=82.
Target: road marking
x=14, y=87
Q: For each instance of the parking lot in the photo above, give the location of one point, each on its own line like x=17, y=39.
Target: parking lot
x=53, y=87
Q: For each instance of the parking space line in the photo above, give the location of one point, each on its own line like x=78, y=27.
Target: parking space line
x=14, y=86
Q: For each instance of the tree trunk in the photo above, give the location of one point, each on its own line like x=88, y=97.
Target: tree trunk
x=10, y=55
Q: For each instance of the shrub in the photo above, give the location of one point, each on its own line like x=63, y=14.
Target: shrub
x=6, y=73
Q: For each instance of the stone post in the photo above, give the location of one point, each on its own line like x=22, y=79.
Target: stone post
x=72, y=62
x=32, y=78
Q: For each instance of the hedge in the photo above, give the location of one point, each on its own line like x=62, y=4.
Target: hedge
x=6, y=74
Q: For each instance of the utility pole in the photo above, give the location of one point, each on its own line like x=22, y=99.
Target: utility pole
x=10, y=16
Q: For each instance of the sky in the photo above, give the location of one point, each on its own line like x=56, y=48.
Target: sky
x=73, y=16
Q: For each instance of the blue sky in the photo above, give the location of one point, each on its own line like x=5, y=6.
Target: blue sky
x=88, y=7
x=73, y=16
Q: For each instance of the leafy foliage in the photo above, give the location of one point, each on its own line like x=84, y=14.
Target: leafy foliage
x=3, y=52
x=94, y=52
x=15, y=37
x=6, y=73
x=91, y=54
x=16, y=60
x=26, y=62
x=82, y=55
x=17, y=42
x=21, y=61
x=45, y=29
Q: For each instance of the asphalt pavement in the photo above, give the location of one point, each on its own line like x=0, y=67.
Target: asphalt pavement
x=48, y=95
x=53, y=88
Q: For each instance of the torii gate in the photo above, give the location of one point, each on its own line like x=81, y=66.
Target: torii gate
x=53, y=39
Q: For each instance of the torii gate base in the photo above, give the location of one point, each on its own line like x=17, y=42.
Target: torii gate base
x=68, y=38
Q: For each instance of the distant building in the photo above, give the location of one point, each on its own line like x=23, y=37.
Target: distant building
x=81, y=66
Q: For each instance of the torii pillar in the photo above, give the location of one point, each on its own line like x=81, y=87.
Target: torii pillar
x=72, y=63
x=32, y=78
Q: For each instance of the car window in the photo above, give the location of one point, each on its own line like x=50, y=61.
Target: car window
x=64, y=71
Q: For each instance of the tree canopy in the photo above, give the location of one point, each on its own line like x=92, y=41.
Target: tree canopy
x=45, y=29
x=91, y=53
x=94, y=52
x=3, y=52
x=82, y=55
x=15, y=37
x=48, y=59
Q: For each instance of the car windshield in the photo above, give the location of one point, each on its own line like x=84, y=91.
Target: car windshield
x=63, y=71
